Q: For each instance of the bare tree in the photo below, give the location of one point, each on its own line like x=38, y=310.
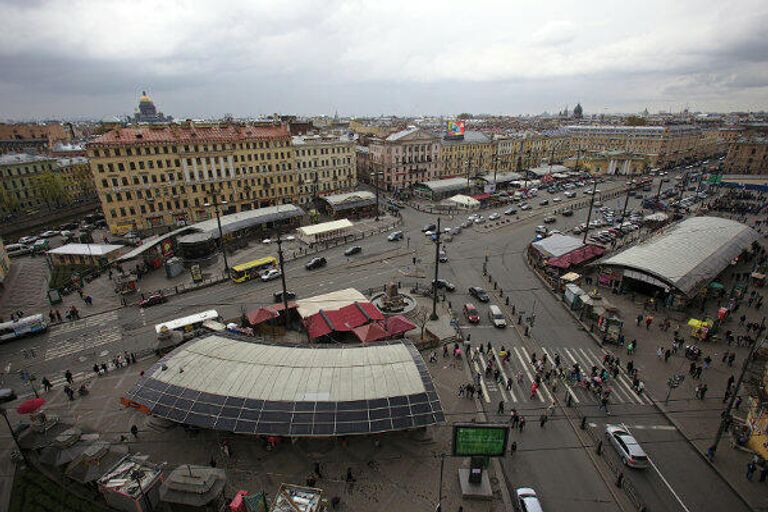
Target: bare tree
x=421, y=317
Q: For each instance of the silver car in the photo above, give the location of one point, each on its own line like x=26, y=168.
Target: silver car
x=629, y=449
x=527, y=501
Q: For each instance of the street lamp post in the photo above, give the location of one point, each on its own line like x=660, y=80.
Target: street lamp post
x=4, y=413
x=282, y=275
x=215, y=205
x=376, y=186
x=469, y=170
x=433, y=316
x=589, y=213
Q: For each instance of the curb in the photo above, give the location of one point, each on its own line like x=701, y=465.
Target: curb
x=655, y=402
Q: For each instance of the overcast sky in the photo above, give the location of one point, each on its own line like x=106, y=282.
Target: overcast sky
x=199, y=58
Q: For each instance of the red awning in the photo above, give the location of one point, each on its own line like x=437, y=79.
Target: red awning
x=342, y=320
x=398, y=324
x=576, y=257
x=481, y=197
x=261, y=315
x=370, y=332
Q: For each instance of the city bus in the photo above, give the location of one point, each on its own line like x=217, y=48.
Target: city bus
x=251, y=270
x=22, y=327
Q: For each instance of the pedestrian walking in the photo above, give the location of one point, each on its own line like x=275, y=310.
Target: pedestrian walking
x=47, y=384
x=501, y=407
x=96, y=369
x=68, y=377
x=543, y=420
x=534, y=389
x=731, y=358
x=349, y=478
x=58, y=316
x=639, y=319
x=104, y=368
x=763, y=471
x=648, y=322
x=703, y=391
x=737, y=403
x=68, y=391
x=513, y=449
x=135, y=431
x=667, y=355
x=521, y=424
x=751, y=467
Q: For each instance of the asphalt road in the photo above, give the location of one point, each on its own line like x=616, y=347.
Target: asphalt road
x=556, y=460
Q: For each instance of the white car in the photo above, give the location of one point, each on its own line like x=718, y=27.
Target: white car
x=49, y=234
x=525, y=206
x=269, y=275
x=480, y=220
x=527, y=501
x=557, y=199
x=290, y=238
x=429, y=233
x=494, y=216
x=267, y=241
x=629, y=449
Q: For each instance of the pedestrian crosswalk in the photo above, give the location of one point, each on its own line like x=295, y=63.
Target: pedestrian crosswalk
x=521, y=372
x=88, y=341
x=99, y=320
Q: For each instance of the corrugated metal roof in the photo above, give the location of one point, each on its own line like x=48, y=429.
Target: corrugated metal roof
x=352, y=197
x=556, y=245
x=86, y=249
x=237, y=221
x=445, y=185
x=324, y=227
x=689, y=253
x=229, y=367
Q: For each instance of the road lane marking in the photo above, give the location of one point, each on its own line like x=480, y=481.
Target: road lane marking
x=669, y=486
x=503, y=374
x=525, y=363
x=564, y=381
x=482, y=385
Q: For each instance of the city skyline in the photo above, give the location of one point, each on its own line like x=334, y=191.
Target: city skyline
x=89, y=60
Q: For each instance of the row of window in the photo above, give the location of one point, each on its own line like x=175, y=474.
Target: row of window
x=303, y=164
x=123, y=182
x=142, y=165
x=173, y=149
x=18, y=170
x=322, y=151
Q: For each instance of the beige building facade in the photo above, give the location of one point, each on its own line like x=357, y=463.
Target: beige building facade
x=20, y=183
x=404, y=158
x=748, y=155
x=5, y=264
x=325, y=165
x=473, y=154
x=156, y=178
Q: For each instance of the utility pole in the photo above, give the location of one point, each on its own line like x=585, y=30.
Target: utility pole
x=469, y=167
x=658, y=192
x=282, y=276
x=578, y=157
x=437, y=265
x=376, y=186
x=630, y=188
x=440, y=488
x=495, y=168
x=589, y=213
x=726, y=416
x=4, y=413
x=215, y=205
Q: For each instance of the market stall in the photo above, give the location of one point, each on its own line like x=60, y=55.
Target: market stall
x=700, y=329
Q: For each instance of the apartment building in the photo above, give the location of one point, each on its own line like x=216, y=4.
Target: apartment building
x=404, y=158
x=531, y=150
x=325, y=165
x=748, y=155
x=473, y=153
x=22, y=180
x=665, y=146
x=27, y=137
x=155, y=178
x=77, y=179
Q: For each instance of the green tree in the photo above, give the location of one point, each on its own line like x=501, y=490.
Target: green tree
x=49, y=188
x=636, y=121
x=8, y=202
x=464, y=115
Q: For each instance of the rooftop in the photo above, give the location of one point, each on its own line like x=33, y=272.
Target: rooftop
x=236, y=221
x=357, y=198
x=86, y=249
x=329, y=301
x=445, y=185
x=689, y=253
x=22, y=158
x=324, y=227
x=193, y=133
x=470, y=137
x=234, y=385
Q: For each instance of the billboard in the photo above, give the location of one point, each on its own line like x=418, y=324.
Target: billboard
x=473, y=439
x=455, y=128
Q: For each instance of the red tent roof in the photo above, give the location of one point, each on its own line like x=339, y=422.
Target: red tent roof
x=261, y=315
x=342, y=320
x=398, y=324
x=576, y=257
x=481, y=197
x=370, y=332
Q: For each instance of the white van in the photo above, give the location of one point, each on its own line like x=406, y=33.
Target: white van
x=496, y=316
x=517, y=196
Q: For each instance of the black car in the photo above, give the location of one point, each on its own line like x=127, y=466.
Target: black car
x=544, y=202
x=428, y=227
x=479, y=293
x=315, y=263
x=278, y=296
x=567, y=213
x=443, y=284
x=353, y=250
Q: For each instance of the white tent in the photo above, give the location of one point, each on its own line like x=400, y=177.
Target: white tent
x=463, y=201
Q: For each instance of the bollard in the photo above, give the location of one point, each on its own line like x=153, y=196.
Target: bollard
x=619, y=479
x=489, y=278
x=501, y=292
x=583, y=423
x=519, y=319
x=527, y=328
x=513, y=309
x=568, y=399
x=507, y=302
x=450, y=306
x=600, y=447
x=494, y=285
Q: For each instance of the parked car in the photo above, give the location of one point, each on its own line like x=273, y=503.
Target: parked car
x=479, y=293
x=510, y=211
x=278, y=296
x=14, y=250
x=549, y=219
x=567, y=213
x=629, y=449
x=428, y=227
x=542, y=230
x=557, y=199
x=442, y=257
x=153, y=300
x=494, y=216
x=49, y=234
x=270, y=274
x=443, y=284
x=267, y=241
x=527, y=501
x=353, y=250
x=316, y=263
x=544, y=202
x=395, y=236
x=471, y=314
x=28, y=240
x=525, y=206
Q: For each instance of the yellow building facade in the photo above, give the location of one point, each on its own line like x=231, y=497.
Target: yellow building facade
x=20, y=183
x=325, y=165
x=473, y=154
x=155, y=178
x=5, y=264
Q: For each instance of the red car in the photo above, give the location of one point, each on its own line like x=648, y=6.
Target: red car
x=152, y=300
x=470, y=311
